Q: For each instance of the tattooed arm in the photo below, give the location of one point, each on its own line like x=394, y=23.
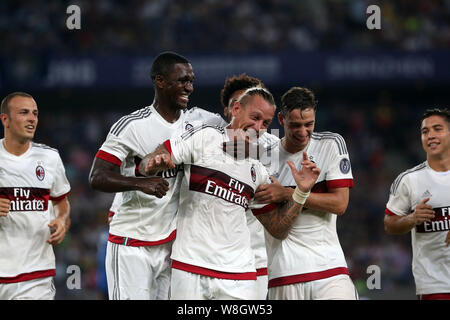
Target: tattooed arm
x=279, y=221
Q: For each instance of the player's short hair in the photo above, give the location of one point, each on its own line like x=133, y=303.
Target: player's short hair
x=444, y=113
x=4, y=107
x=163, y=63
x=257, y=91
x=297, y=98
x=236, y=83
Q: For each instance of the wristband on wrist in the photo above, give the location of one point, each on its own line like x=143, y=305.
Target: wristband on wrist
x=300, y=196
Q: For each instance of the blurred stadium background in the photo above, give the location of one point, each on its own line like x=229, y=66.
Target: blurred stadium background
x=372, y=87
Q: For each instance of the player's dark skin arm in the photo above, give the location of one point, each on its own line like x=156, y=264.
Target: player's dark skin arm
x=105, y=176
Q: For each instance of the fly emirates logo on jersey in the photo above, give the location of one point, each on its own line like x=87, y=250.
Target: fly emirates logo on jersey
x=221, y=185
x=440, y=222
x=26, y=199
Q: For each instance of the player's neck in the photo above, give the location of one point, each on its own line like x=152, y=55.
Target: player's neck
x=166, y=112
x=15, y=146
x=439, y=163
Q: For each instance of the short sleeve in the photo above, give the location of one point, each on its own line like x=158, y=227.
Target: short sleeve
x=264, y=178
x=399, y=202
x=339, y=173
x=60, y=187
x=188, y=147
x=117, y=147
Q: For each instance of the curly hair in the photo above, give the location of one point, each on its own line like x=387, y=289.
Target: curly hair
x=235, y=83
x=297, y=98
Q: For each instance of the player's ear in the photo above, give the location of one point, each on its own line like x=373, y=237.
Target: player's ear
x=281, y=119
x=236, y=108
x=4, y=119
x=160, y=82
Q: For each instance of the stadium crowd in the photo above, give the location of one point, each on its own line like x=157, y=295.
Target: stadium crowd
x=140, y=26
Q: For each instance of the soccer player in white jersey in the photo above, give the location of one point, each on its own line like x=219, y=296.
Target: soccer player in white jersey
x=305, y=258
x=144, y=225
x=419, y=201
x=233, y=88
x=212, y=254
x=34, y=209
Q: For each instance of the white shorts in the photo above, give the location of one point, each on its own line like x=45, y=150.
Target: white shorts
x=192, y=286
x=339, y=287
x=138, y=273
x=36, y=289
x=261, y=287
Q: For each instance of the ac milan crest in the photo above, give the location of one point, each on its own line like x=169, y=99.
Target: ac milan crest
x=40, y=172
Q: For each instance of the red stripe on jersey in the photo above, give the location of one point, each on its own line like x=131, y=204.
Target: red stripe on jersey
x=304, y=277
x=168, y=146
x=340, y=183
x=139, y=243
x=29, y=276
x=59, y=198
x=213, y=273
x=261, y=272
x=434, y=296
x=389, y=212
x=108, y=157
x=265, y=209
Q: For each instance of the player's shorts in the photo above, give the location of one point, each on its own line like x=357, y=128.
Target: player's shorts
x=192, y=286
x=138, y=273
x=36, y=289
x=262, y=287
x=339, y=287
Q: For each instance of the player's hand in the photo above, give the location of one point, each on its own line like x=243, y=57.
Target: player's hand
x=155, y=186
x=447, y=239
x=57, y=231
x=272, y=193
x=5, y=205
x=308, y=174
x=152, y=164
x=423, y=212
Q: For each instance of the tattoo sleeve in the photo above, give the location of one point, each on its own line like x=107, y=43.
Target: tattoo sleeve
x=279, y=221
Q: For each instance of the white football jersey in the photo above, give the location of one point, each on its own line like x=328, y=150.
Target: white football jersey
x=143, y=219
x=212, y=234
x=431, y=256
x=30, y=181
x=267, y=141
x=311, y=250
